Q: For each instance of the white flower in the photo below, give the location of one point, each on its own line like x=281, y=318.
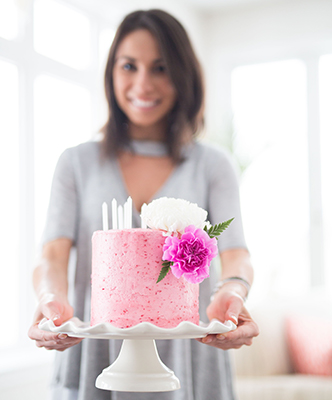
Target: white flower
x=173, y=215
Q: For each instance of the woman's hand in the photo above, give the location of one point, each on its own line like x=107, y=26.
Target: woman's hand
x=58, y=310
x=228, y=305
x=51, y=286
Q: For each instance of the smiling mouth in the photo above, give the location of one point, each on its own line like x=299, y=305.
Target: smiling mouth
x=144, y=104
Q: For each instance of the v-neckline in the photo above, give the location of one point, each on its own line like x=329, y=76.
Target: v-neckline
x=148, y=148
x=156, y=195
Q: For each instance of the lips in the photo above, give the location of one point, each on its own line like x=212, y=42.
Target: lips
x=144, y=103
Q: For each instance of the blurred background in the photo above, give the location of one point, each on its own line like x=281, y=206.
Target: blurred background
x=268, y=73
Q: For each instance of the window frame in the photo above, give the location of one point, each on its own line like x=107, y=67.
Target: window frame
x=20, y=52
x=311, y=59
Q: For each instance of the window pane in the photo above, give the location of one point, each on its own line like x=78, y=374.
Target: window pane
x=61, y=33
x=9, y=210
x=105, y=40
x=269, y=103
x=326, y=146
x=62, y=119
x=8, y=19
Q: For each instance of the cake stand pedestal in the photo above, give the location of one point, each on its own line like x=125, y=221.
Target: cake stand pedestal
x=138, y=367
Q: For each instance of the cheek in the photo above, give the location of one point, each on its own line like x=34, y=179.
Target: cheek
x=170, y=91
x=172, y=97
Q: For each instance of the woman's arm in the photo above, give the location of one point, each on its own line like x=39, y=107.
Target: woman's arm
x=228, y=302
x=51, y=286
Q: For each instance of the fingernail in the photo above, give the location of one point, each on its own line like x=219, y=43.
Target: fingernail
x=55, y=318
x=207, y=340
x=234, y=318
x=221, y=337
x=62, y=336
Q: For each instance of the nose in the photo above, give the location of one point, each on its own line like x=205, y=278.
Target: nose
x=143, y=83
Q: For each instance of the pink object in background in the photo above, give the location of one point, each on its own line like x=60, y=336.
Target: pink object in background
x=310, y=344
x=125, y=268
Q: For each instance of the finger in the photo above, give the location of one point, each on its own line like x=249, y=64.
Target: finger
x=50, y=344
x=243, y=332
x=207, y=339
x=59, y=342
x=211, y=340
x=35, y=333
x=225, y=344
x=53, y=312
x=234, y=309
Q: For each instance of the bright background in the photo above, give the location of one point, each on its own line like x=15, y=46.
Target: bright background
x=268, y=68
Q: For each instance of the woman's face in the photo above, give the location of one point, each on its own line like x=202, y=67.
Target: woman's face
x=142, y=87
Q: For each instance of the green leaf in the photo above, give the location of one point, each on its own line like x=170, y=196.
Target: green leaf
x=164, y=271
x=216, y=230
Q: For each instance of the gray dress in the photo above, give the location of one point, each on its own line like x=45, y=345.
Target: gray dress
x=83, y=180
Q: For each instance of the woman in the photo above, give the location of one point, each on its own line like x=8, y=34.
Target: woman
x=155, y=94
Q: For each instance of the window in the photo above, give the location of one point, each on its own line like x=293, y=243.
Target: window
x=10, y=207
x=62, y=119
x=269, y=104
x=325, y=75
x=49, y=102
x=105, y=41
x=9, y=13
x=69, y=44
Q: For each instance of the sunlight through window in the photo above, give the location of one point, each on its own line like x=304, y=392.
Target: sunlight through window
x=62, y=119
x=269, y=103
x=61, y=33
x=9, y=211
x=325, y=73
x=8, y=19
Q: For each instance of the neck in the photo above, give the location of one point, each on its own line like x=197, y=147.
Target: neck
x=156, y=132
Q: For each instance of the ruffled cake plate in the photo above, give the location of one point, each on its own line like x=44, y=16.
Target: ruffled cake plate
x=138, y=367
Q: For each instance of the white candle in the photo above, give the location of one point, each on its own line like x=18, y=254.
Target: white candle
x=143, y=224
x=120, y=217
x=114, y=214
x=105, y=216
x=125, y=218
x=130, y=212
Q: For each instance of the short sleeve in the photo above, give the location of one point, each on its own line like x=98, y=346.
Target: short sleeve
x=224, y=199
x=61, y=219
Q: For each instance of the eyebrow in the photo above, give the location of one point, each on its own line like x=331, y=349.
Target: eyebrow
x=134, y=59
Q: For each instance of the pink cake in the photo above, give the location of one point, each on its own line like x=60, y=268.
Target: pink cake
x=125, y=268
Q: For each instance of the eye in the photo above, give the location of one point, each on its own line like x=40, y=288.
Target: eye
x=128, y=66
x=160, y=68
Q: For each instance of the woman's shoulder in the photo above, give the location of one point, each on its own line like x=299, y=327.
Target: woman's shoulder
x=83, y=153
x=216, y=161
x=212, y=152
x=89, y=148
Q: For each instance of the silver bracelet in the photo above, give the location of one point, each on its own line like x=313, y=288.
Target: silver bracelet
x=236, y=279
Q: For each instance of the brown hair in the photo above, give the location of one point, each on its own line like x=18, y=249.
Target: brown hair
x=183, y=69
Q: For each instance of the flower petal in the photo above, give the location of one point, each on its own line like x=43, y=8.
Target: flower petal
x=176, y=270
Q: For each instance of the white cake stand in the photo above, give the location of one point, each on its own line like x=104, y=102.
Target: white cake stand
x=138, y=367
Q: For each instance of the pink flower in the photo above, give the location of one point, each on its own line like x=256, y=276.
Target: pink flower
x=190, y=255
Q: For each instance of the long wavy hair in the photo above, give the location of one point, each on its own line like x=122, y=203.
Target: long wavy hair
x=183, y=69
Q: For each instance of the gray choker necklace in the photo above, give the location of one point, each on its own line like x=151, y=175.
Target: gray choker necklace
x=151, y=148
x=148, y=148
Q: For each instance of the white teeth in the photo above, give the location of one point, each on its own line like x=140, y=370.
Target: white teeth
x=142, y=103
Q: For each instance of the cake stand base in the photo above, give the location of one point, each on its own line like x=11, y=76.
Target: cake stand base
x=138, y=368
